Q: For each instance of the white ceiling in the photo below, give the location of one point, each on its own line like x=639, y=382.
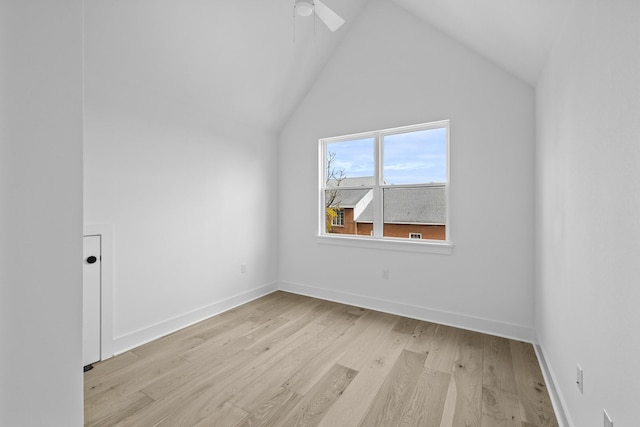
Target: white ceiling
x=232, y=58
x=238, y=59
x=515, y=34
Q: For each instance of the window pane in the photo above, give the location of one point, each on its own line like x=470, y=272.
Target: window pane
x=415, y=157
x=415, y=211
x=349, y=211
x=349, y=159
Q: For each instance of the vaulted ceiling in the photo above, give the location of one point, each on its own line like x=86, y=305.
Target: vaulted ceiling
x=515, y=34
x=251, y=61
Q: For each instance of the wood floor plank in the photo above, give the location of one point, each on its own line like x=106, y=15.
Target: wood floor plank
x=219, y=387
x=422, y=337
x=112, y=411
x=304, y=322
x=388, y=407
x=266, y=328
x=378, y=362
x=108, y=367
x=280, y=306
x=176, y=342
x=246, y=312
x=216, y=350
x=442, y=342
x=201, y=395
x=464, y=396
x=227, y=416
x=221, y=415
x=246, y=332
x=284, y=338
x=272, y=412
x=312, y=407
x=304, y=307
x=231, y=329
x=256, y=309
x=261, y=387
x=535, y=404
x=341, y=313
x=500, y=408
x=425, y=407
x=171, y=381
x=406, y=325
x=498, y=364
x=358, y=353
x=310, y=373
x=128, y=380
x=340, y=365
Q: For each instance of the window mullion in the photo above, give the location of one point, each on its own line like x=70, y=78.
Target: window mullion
x=322, y=223
x=378, y=213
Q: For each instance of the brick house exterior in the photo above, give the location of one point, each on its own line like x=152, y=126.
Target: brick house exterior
x=418, y=212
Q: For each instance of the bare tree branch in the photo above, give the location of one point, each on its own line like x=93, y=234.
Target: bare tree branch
x=334, y=177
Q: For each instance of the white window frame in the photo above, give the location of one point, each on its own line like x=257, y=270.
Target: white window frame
x=377, y=240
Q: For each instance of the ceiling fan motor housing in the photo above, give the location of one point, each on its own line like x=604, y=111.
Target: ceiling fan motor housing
x=304, y=7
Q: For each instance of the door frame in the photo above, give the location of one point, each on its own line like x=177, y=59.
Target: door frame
x=105, y=231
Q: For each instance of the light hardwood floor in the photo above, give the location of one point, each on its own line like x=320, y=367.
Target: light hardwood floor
x=289, y=360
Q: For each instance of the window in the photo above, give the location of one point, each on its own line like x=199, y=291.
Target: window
x=387, y=184
x=338, y=218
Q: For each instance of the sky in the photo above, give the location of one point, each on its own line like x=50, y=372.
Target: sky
x=408, y=158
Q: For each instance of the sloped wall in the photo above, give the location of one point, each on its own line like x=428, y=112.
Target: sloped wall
x=393, y=70
x=190, y=196
x=588, y=212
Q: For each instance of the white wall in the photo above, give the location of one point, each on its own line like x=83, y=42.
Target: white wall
x=588, y=212
x=394, y=70
x=40, y=213
x=190, y=196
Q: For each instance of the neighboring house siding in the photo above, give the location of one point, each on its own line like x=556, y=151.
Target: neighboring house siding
x=349, y=227
x=365, y=228
x=429, y=232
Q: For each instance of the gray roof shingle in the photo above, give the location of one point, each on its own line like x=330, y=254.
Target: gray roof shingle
x=424, y=205
x=349, y=198
x=360, y=181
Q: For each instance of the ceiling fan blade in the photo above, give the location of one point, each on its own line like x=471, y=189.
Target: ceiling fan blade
x=328, y=16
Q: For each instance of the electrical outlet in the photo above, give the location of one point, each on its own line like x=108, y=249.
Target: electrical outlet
x=243, y=268
x=579, y=379
x=385, y=274
x=607, y=420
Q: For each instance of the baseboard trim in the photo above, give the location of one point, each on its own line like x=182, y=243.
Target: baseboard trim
x=564, y=420
x=506, y=330
x=126, y=342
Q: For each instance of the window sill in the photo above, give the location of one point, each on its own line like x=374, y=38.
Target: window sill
x=404, y=245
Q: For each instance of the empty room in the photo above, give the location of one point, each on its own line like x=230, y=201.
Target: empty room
x=333, y=213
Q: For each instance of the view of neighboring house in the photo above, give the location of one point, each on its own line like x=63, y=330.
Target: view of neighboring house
x=415, y=212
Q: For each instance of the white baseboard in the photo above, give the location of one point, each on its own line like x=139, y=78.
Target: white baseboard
x=518, y=332
x=134, y=339
x=558, y=402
